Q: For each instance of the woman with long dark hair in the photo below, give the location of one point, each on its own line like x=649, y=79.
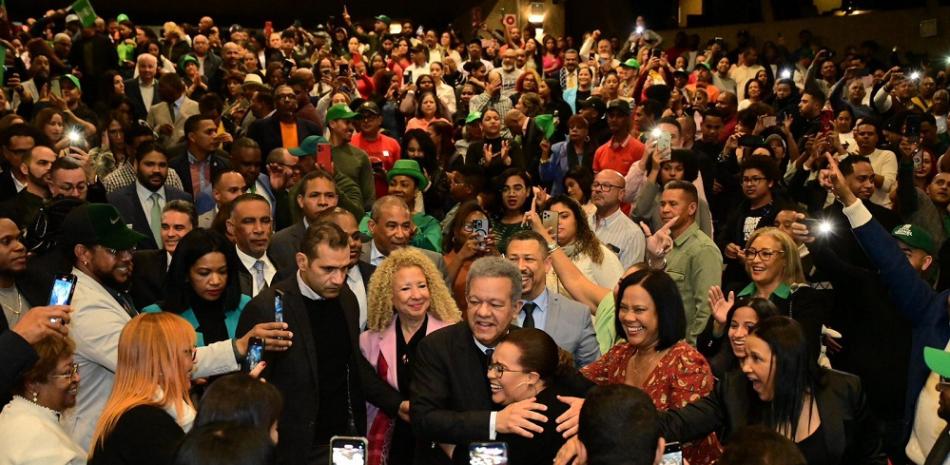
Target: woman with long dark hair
x=512, y=199
x=782, y=387
x=731, y=323
x=577, y=151
x=203, y=286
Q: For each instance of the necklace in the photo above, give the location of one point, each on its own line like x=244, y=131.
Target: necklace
x=19, y=305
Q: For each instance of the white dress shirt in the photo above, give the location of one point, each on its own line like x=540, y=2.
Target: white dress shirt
x=145, y=199
x=32, y=434
x=355, y=280
x=375, y=256
x=148, y=93
x=269, y=270
x=305, y=289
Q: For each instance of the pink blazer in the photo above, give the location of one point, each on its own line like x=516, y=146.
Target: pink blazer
x=372, y=344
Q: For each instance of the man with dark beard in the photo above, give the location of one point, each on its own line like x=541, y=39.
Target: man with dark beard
x=141, y=203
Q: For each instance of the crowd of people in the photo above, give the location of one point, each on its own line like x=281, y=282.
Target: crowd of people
x=593, y=250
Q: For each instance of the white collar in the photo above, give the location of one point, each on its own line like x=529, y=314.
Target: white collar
x=306, y=290
x=609, y=219
x=145, y=193
x=249, y=261
x=374, y=253
x=354, y=274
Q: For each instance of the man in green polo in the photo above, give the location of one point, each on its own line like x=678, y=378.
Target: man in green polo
x=348, y=159
x=407, y=181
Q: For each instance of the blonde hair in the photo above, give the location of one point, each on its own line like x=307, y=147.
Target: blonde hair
x=154, y=349
x=793, y=271
x=380, y=304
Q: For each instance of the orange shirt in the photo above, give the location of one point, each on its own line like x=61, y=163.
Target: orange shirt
x=618, y=157
x=288, y=135
x=383, y=150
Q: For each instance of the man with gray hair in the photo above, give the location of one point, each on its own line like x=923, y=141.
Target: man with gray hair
x=141, y=90
x=391, y=227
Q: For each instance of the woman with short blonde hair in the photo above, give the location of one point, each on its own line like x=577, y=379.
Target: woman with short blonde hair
x=149, y=410
x=408, y=299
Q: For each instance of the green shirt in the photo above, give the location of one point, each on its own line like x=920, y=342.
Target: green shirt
x=428, y=232
x=354, y=164
x=782, y=291
x=604, y=328
x=695, y=264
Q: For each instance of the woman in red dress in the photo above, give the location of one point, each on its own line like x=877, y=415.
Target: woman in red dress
x=655, y=357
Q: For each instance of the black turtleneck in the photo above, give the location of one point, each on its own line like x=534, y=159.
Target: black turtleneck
x=210, y=316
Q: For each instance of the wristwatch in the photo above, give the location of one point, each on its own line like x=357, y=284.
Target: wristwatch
x=552, y=247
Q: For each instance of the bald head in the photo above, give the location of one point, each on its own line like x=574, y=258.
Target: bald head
x=608, y=193
x=148, y=66
x=231, y=53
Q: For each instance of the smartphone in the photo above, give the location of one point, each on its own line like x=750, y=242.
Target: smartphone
x=549, y=220
x=818, y=227
x=592, y=56
x=655, y=52
x=344, y=70
x=487, y=453
x=278, y=306
x=480, y=228
x=672, y=454
x=664, y=143
x=62, y=293
x=348, y=450
x=255, y=353
x=325, y=157
x=268, y=29
x=769, y=121
x=55, y=88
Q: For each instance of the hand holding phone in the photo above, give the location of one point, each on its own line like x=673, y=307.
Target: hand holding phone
x=549, y=220
x=64, y=285
x=348, y=450
x=672, y=454
x=480, y=229
x=255, y=354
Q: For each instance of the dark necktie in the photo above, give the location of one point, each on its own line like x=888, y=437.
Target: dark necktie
x=528, y=308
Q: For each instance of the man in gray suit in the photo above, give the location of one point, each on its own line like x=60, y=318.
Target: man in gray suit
x=390, y=225
x=317, y=194
x=566, y=321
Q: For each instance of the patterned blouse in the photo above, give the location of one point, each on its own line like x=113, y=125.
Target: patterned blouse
x=681, y=376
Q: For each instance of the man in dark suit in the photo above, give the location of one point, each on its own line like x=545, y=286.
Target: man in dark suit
x=317, y=194
x=324, y=379
x=391, y=228
x=267, y=132
x=141, y=204
x=200, y=153
x=450, y=399
x=250, y=226
x=208, y=62
x=16, y=141
x=141, y=90
x=566, y=321
x=357, y=277
x=150, y=266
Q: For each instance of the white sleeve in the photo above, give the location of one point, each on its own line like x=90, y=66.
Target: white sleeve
x=215, y=359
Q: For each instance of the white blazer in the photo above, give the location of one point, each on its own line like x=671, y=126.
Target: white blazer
x=31, y=435
x=95, y=325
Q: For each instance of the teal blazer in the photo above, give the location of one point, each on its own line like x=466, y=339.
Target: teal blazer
x=231, y=318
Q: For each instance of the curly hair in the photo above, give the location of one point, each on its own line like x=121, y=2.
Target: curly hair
x=585, y=238
x=380, y=305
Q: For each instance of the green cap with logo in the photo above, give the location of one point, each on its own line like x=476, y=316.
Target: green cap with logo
x=189, y=58
x=340, y=111
x=99, y=224
x=938, y=361
x=473, y=117
x=410, y=168
x=546, y=124
x=631, y=63
x=915, y=237
x=122, y=18
x=309, y=146
x=72, y=79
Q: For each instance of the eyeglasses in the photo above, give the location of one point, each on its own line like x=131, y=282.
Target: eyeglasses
x=604, y=187
x=68, y=375
x=516, y=188
x=764, y=254
x=753, y=180
x=117, y=252
x=194, y=353
x=499, y=370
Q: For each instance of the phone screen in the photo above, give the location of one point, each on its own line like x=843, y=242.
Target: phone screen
x=278, y=308
x=55, y=89
x=325, y=157
x=664, y=143
x=672, y=454
x=769, y=121
x=347, y=450
x=62, y=292
x=255, y=353
x=488, y=453
x=480, y=229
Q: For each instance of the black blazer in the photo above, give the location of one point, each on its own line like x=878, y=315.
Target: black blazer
x=294, y=372
x=266, y=132
x=178, y=161
x=850, y=431
x=145, y=435
x=148, y=279
x=7, y=186
x=16, y=357
x=134, y=93
x=126, y=201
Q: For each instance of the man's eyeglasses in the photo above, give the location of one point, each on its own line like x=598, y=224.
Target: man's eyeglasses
x=117, y=252
x=67, y=375
x=764, y=254
x=499, y=370
x=943, y=384
x=753, y=179
x=604, y=187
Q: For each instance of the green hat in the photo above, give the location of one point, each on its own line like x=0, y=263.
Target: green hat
x=308, y=147
x=100, y=224
x=938, y=361
x=384, y=19
x=631, y=63
x=340, y=111
x=72, y=79
x=187, y=58
x=407, y=167
x=703, y=64
x=473, y=117
x=546, y=124
x=915, y=237
x=122, y=18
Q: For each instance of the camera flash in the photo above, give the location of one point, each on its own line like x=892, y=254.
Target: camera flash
x=786, y=74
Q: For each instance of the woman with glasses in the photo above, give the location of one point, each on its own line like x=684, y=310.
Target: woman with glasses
x=148, y=411
x=772, y=263
x=573, y=233
x=203, y=286
x=30, y=430
x=653, y=355
x=824, y=412
x=408, y=300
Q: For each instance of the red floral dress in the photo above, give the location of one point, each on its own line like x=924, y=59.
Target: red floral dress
x=680, y=377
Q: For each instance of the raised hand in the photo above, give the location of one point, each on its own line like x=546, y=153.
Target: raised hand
x=719, y=304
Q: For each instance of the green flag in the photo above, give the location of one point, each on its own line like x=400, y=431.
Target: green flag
x=83, y=9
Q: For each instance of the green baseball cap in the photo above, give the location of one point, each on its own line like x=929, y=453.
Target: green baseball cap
x=340, y=111
x=185, y=59
x=308, y=147
x=122, y=18
x=383, y=18
x=72, y=80
x=546, y=124
x=407, y=167
x=703, y=64
x=99, y=224
x=473, y=117
x=632, y=63
x=915, y=237
x=938, y=361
